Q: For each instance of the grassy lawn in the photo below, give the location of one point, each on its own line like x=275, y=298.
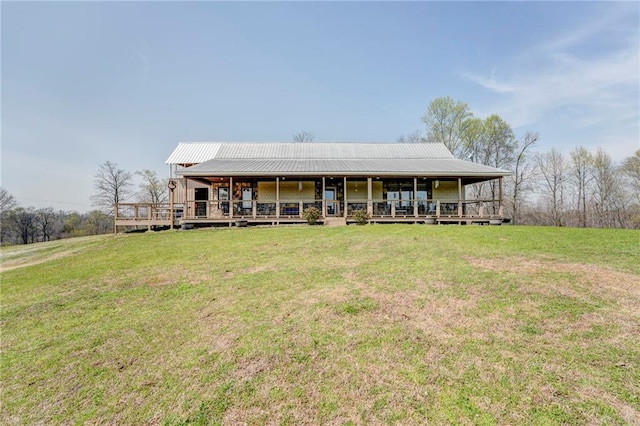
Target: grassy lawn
x=383, y=324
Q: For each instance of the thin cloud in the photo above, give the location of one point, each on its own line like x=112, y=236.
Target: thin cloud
x=593, y=88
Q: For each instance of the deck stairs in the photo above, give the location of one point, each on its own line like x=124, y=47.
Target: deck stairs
x=335, y=221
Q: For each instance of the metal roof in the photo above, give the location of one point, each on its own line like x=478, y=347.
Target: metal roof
x=323, y=158
x=366, y=167
x=193, y=153
x=198, y=152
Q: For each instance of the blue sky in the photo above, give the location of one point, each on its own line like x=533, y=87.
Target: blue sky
x=83, y=83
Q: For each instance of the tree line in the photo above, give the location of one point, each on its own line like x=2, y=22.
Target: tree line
x=25, y=225
x=580, y=189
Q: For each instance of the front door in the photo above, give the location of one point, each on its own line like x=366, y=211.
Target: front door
x=330, y=196
x=201, y=196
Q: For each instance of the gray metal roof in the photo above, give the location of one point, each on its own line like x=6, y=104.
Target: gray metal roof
x=395, y=167
x=324, y=158
x=198, y=152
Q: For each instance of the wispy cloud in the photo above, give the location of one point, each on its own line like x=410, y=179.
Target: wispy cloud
x=574, y=80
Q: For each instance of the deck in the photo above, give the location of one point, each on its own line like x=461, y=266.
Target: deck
x=241, y=213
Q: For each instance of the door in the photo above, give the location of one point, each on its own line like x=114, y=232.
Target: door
x=330, y=196
x=247, y=197
x=223, y=199
x=201, y=198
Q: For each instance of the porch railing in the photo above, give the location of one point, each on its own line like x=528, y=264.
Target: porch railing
x=378, y=208
x=144, y=211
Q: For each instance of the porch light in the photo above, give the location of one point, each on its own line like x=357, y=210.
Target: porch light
x=437, y=183
x=299, y=186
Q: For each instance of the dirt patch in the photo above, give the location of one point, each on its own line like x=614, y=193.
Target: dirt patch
x=624, y=410
x=596, y=276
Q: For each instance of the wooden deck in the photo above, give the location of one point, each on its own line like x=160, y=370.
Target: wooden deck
x=207, y=214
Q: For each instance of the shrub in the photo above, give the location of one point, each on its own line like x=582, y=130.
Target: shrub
x=311, y=215
x=361, y=217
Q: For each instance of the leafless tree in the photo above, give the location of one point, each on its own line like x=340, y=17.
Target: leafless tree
x=581, y=174
x=23, y=221
x=113, y=185
x=413, y=137
x=608, y=202
x=522, y=172
x=7, y=203
x=303, y=136
x=45, y=220
x=631, y=169
x=551, y=168
x=152, y=188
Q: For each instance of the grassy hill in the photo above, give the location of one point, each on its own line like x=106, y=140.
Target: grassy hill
x=378, y=324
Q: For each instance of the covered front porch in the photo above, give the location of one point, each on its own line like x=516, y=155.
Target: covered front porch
x=229, y=200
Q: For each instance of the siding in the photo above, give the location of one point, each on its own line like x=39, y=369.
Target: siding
x=447, y=190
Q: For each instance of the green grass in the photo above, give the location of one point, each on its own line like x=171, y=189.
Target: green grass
x=392, y=324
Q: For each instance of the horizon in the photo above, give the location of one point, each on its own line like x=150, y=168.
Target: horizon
x=85, y=83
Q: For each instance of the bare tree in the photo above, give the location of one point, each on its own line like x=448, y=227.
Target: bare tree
x=96, y=223
x=551, y=168
x=413, y=137
x=152, y=189
x=303, y=136
x=522, y=171
x=631, y=169
x=112, y=185
x=24, y=224
x=445, y=120
x=7, y=203
x=608, y=201
x=45, y=221
x=582, y=174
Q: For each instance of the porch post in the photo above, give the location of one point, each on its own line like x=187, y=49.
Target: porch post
x=415, y=197
x=230, y=197
x=324, y=201
x=346, y=208
x=369, y=197
x=185, y=209
x=277, y=196
x=115, y=218
x=459, y=197
x=500, y=207
x=171, y=207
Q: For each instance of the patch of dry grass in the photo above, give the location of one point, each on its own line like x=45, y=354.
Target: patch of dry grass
x=356, y=325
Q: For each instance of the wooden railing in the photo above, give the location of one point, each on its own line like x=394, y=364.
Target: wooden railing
x=379, y=208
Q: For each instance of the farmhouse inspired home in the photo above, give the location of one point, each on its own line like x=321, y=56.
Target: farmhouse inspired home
x=230, y=183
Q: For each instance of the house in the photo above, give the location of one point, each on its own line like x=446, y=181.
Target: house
x=227, y=183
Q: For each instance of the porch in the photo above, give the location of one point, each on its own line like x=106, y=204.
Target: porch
x=217, y=200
